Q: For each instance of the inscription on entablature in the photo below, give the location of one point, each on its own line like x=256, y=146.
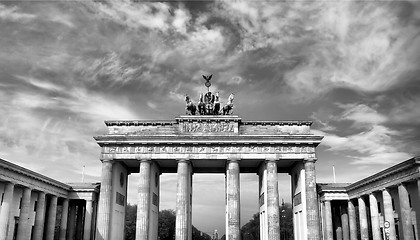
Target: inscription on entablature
x=200, y=127
x=148, y=149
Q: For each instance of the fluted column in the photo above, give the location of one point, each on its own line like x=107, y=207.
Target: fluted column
x=52, y=212
x=273, y=215
x=23, y=225
x=352, y=220
x=104, y=209
x=312, y=208
x=233, y=230
x=364, y=231
x=143, y=204
x=39, y=217
x=88, y=220
x=182, y=201
x=345, y=223
x=389, y=214
x=72, y=222
x=64, y=217
x=6, y=207
x=405, y=210
x=328, y=220
x=374, y=216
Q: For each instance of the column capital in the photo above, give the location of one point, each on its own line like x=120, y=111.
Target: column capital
x=271, y=160
x=182, y=160
x=310, y=160
x=107, y=158
x=233, y=159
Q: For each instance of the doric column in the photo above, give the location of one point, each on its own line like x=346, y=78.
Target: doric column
x=23, y=226
x=328, y=220
x=374, y=217
x=64, y=217
x=273, y=215
x=88, y=220
x=79, y=221
x=311, y=200
x=6, y=206
x=52, y=212
x=389, y=214
x=405, y=210
x=182, y=201
x=345, y=223
x=39, y=217
x=71, y=221
x=233, y=230
x=364, y=231
x=104, y=209
x=352, y=220
x=143, y=204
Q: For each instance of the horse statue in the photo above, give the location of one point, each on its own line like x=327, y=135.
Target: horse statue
x=216, y=107
x=190, y=108
x=228, y=108
x=201, y=106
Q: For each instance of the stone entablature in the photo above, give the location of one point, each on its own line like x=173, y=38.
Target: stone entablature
x=208, y=125
x=404, y=172
x=22, y=176
x=201, y=137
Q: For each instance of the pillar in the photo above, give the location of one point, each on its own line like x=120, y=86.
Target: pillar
x=345, y=223
x=52, y=212
x=352, y=220
x=23, y=226
x=88, y=220
x=104, y=212
x=328, y=220
x=142, y=222
x=311, y=200
x=405, y=218
x=71, y=221
x=374, y=216
x=389, y=214
x=64, y=217
x=364, y=231
x=273, y=215
x=39, y=217
x=182, y=201
x=79, y=220
x=233, y=230
x=6, y=207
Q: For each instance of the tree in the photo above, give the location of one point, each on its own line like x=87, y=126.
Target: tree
x=166, y=225
x=130, y=222
x=251, y=230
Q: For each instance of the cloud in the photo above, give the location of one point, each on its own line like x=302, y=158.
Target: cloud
x=374, y=144
x=12, y=14
x=361, y=114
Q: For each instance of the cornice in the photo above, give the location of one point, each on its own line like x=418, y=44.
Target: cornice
x=33, y=175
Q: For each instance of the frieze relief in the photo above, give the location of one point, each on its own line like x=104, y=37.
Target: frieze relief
x=148, y=149
x=205, y=127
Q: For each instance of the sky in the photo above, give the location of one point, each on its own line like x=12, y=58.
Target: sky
x=351, y=67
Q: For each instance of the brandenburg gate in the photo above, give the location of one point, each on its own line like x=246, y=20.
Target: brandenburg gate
x=207, y=144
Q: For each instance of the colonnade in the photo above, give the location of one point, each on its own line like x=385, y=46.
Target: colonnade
x=384, y=214
x=147, y=204
x=28, y=213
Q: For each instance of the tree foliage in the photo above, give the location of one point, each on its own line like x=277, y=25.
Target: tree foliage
x=130, y=222
x=251, y=230
x=166, y=225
